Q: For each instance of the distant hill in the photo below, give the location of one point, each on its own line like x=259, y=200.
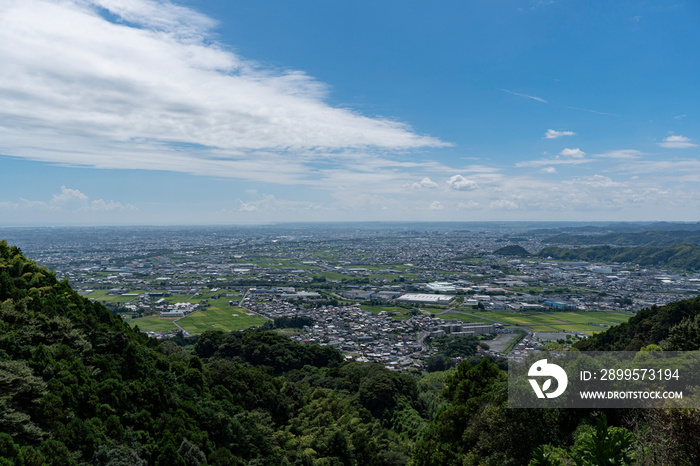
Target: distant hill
x=645, y=238
x=683, y=255
x=650, y=326
x=621, y=227
x=513, y=250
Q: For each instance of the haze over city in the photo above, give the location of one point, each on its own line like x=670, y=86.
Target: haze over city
x=206, y=112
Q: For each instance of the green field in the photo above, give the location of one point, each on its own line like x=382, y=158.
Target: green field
x=103, y=297
x=586, y=322
x=214, y=318
x=154, y=324
x=401, y=313
x=179, y=298
x=393, y=276
x=461, y=318
x=222, y=303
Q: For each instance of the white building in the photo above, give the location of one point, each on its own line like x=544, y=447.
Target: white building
x=420, y=298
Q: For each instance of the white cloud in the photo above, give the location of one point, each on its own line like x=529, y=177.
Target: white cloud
x=593, y=111
x=543, y=162
x=436, y=205
x=425, y=183
x=504, y=204
x=553, y=134
x=573, y=153
x=269, y=202
x=153, y=90
x=549, y=170
x=677, y=142
x=68, y=200
x=460, y=183
x=526, y=96
x=68, y=195
x=247, y=207
x=468, y=205
x=670, y=170
x=621, y=154
x=595, y=181
x=108, y=206
x=161, y=15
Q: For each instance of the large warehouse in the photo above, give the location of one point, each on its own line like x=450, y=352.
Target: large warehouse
x=422, y=298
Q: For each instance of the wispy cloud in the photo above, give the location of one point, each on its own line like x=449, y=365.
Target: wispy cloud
x=553, y=134
x=672, y=170
x=595, y=181
x=557, y=161
x=68, y=200
x=153, y=90
x=467, y=205
x=542, y=3
x=436, y=205
x=269, y=202
x=677, y=142
x=526, y=96
x=593, y=111
x=620, y=154
x=504, y=204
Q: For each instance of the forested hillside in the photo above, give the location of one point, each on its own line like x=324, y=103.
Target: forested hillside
x=79, y=387
x=673, y=326
x=513, y=250
x=683, y=256
x=643, y=238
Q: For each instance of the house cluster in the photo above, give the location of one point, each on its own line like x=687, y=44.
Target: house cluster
x=366, y=336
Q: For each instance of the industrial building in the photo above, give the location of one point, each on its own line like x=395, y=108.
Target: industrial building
x=420, y=298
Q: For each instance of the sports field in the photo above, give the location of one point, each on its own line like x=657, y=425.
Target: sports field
x=221, y=317
x=399, y=312
x=154, y=324
x=103, y=296
x=214, y=318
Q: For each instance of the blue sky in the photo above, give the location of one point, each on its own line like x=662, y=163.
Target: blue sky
x=211, y=112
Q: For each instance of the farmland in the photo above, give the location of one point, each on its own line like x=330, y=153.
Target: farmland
x=220, y=319
x=588, y=322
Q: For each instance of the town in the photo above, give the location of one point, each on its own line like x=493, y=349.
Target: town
x=376, y=292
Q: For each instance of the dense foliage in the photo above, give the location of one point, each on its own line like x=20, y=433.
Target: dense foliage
x=513, y=250
x=682, y=255
x=457, y=346
x=670, y=325
x=292, y=322
x=643, y=238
